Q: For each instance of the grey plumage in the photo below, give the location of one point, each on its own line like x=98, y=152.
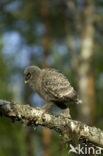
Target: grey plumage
x=51, y=85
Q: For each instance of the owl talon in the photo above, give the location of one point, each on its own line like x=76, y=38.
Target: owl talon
x=66, y=116
x=38, y=108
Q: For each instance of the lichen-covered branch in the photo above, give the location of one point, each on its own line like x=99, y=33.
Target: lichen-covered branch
x=68, y=128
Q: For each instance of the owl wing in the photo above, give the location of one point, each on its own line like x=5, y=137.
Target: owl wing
x=56, y=85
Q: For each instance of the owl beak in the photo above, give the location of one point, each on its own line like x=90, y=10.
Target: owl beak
x=25, y=81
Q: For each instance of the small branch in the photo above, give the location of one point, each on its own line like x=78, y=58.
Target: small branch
x=68, y=128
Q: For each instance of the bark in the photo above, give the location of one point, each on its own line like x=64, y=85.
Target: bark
x=46, y=46
x=67, y=128
x=86, y=77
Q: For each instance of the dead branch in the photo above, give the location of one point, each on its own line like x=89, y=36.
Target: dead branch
x=68, y=128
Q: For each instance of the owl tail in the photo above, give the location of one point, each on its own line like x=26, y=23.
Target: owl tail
x=78, y=100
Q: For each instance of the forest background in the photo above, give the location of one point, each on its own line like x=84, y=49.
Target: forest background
x=63, y=34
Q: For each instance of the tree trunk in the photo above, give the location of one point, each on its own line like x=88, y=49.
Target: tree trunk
x=86, y=77
x=46, y=138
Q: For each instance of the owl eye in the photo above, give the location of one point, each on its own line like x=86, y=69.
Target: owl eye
x=28, y=75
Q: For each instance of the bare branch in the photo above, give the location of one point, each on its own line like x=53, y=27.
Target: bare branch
x=68, y=128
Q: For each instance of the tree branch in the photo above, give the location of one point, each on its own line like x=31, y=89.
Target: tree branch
x=68, y=128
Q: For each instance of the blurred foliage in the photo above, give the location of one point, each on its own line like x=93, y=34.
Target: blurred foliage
x=21, y=35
